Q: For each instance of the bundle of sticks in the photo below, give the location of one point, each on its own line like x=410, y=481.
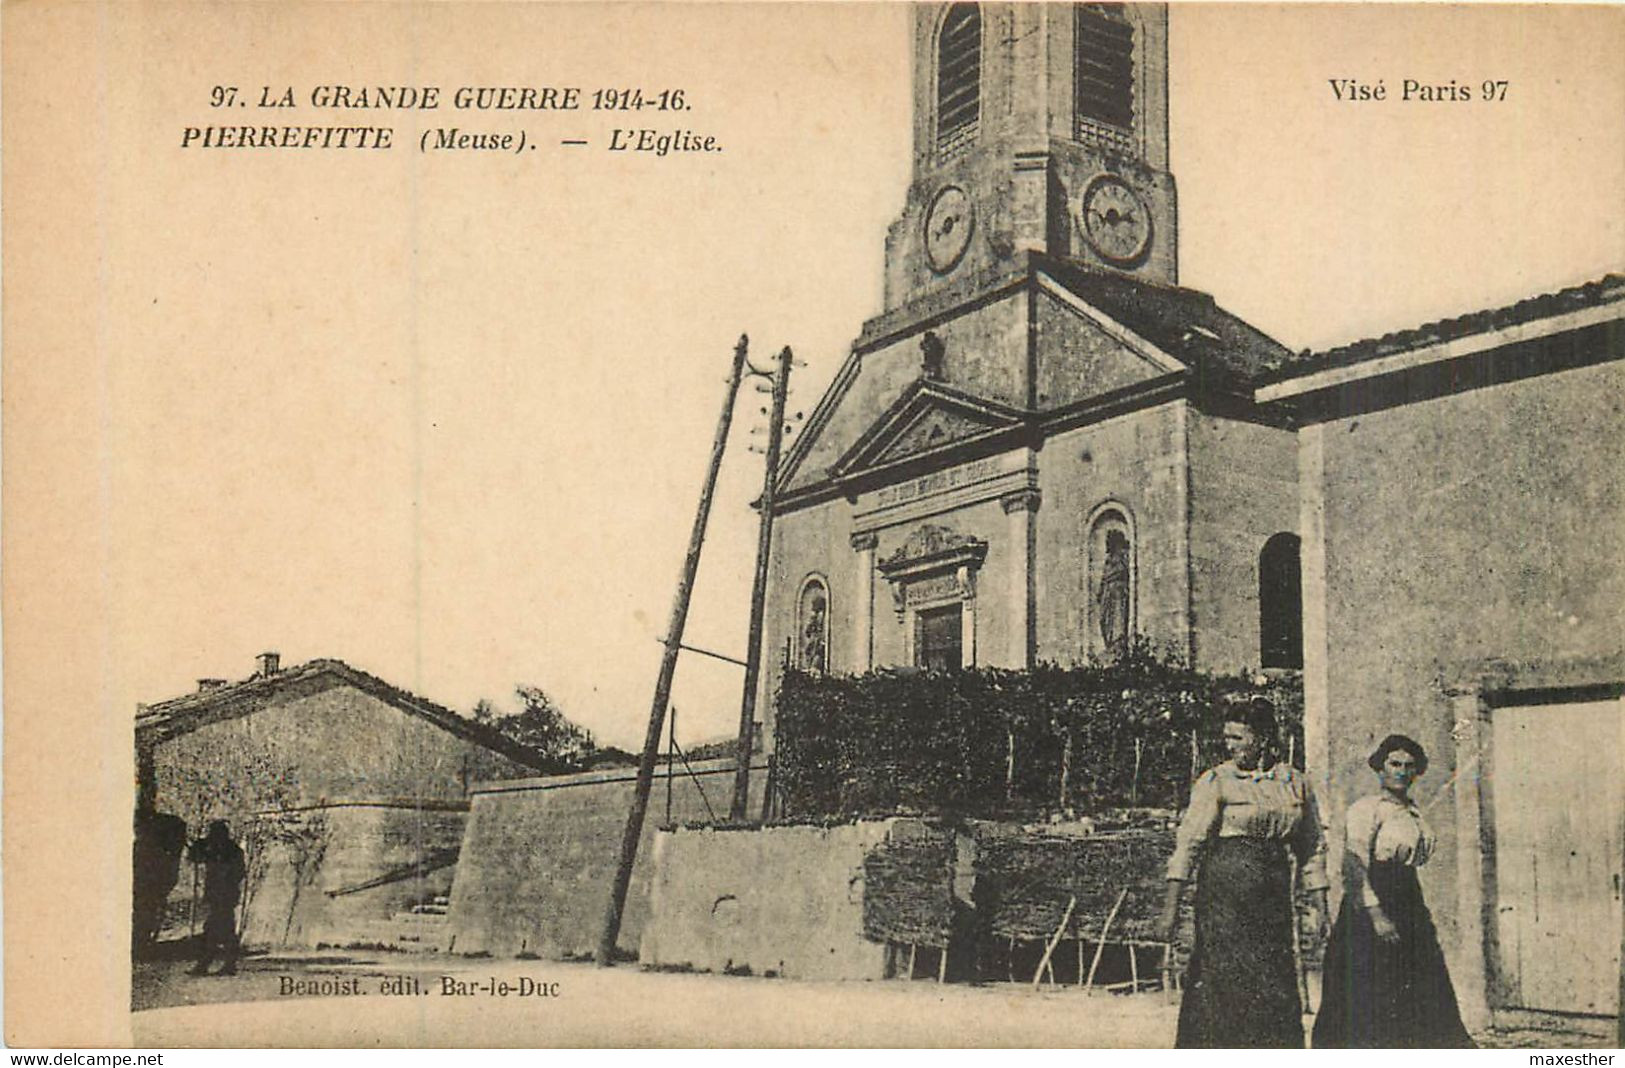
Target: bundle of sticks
x=1024, y=882
x=908, y=890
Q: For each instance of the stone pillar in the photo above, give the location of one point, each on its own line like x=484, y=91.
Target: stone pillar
x=1465, y=952
x=1179, y=467
x=863, y=603
x=967, y=617
x=1022, y=509
x=1317, y=739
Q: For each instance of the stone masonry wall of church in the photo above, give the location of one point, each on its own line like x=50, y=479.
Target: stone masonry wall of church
x=984, y=352
x=808, y=541
x=1079, y=359
x=813, y=540
x=1486, y=524
x=1026, y=105
x=1136, y=460
x=1244, y=488
x=984, y=166
x=816, y=540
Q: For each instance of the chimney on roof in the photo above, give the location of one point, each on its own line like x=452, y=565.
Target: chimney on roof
x=267, y=664
x=205, y=685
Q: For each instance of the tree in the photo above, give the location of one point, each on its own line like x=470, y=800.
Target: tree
x=540, y=725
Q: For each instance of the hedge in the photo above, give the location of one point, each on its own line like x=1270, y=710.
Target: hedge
x=998, y=744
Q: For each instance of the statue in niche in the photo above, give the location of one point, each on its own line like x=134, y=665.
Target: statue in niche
x=1111, y=600
x=932, y=353
x=812, y=632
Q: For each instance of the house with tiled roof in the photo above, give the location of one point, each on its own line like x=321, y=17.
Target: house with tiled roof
x=349, y=796
x=1463, y=525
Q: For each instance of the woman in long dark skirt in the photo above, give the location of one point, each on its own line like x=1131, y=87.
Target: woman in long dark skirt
x=1250, y=819
x=1385, y=981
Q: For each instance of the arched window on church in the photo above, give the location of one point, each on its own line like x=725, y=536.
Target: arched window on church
x=1103, y=69
x=812, y=626
x=1112, y=585
x=959, y=77
x=1280, y=604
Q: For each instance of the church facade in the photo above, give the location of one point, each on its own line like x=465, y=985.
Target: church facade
x=1043, y=448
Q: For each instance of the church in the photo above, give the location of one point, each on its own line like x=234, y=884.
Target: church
x=1043, y=445
x=1044, y=448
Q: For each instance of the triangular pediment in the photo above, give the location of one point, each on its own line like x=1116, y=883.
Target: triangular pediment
x=928, y=416
x=935, y=426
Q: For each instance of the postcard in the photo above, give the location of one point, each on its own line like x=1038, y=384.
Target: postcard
x=627, y=524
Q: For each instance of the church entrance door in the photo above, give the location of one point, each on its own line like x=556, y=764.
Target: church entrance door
x=940, y=644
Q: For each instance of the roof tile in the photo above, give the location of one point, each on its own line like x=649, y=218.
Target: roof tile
x=1591, y=294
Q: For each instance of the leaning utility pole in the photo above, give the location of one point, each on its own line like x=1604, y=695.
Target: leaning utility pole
x=758, y=594
x=668, y=667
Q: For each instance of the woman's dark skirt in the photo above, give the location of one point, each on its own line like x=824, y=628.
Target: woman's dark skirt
x=1241, y=988
x=1381, y=995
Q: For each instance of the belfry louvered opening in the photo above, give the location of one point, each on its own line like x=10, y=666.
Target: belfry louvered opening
x=1103, y=90
x=959, y=77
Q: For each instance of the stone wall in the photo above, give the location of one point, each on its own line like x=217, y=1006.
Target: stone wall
x=539, y=856
x=1483, y=525
x=821, y=903
x=785, y=900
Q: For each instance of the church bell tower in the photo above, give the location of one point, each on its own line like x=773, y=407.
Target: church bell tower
x=1037, y=127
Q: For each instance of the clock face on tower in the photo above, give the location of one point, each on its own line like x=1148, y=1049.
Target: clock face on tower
x=1115, y=220
x=948, y=224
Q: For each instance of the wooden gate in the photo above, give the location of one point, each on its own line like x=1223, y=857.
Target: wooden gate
x=1558, y=787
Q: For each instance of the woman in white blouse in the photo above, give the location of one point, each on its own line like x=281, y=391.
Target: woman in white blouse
x=1250, y=819
x=1385, y=983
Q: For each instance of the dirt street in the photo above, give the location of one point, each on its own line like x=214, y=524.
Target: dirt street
x=361, y=998
x=382, y=999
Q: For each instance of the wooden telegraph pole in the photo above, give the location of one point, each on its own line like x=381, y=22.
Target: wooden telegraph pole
x=668, y=667
x=758, y=595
